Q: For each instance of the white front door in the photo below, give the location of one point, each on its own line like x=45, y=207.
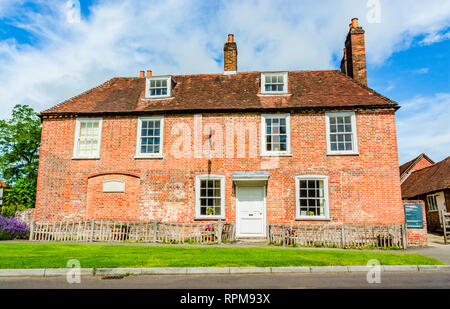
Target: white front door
x=250, y=211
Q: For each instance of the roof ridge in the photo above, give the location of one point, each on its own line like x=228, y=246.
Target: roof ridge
x=237, y=73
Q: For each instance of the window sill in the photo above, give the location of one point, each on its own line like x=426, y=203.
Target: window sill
x=274, y=94
x=277, y=154
x=149, y=157
x=209, y=219
x=85, y=158
x=342, y=153
x=157, y=98
x=312, y=219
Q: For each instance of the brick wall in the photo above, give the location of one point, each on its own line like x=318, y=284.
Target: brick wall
x=418, y=237
x=363, y=188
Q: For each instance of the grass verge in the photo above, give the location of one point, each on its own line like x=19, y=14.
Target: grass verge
x=49, y=255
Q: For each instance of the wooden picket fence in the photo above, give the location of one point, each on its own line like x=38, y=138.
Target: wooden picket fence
x=339, y=236
x=119, y=231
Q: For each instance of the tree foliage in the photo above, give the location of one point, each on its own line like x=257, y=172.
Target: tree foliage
x=20, y=139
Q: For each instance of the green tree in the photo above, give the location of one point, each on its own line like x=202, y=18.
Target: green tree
x=20, y=139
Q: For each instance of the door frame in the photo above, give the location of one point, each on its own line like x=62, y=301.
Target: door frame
x=264, y=217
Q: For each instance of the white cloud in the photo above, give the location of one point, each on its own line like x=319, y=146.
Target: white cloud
x=119, y=38
x=432, y=38
x=423, y=126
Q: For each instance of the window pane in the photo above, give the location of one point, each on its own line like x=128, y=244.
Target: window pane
x=312, y=198
x=88, y=138
x=210, y=197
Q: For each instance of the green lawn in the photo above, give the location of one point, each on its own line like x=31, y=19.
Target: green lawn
x=50, y=255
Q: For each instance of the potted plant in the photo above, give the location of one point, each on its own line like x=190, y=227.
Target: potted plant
x=289, y=236
x=210, y=233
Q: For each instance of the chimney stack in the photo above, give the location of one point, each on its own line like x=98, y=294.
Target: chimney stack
x=230, y=56
x=353, y=63
x=141, y=74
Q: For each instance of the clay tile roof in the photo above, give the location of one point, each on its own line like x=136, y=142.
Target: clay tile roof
x=3, y=185
x=404, y=168
x=429, y=179
x=209, y=92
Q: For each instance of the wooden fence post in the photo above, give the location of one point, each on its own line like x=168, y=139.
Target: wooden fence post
x=268, y=233
x=31, y=230
x=233, y=231
x=342, y=236
x=405, y=236
x=219, y=231
x=91, y=238
x=155, y=231
x=283, y=236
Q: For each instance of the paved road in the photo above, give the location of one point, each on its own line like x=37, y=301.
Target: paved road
x=254, y=281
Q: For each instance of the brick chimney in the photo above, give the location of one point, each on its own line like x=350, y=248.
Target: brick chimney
x=230, y=56
x=353, y=63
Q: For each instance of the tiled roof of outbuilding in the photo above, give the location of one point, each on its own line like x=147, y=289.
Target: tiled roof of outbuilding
x=429, y=179
x=408, y=165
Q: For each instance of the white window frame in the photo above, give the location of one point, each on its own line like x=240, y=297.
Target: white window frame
x=326, y=217
x=169, y=87
x=264, y=151
x=433, y=196
x=139, y=154
x=77, y=137
x=263, y=83
x=198, y=179
x=354, y=150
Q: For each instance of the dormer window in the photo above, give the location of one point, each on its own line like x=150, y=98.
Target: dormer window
x=158, y=86
x=274, y=83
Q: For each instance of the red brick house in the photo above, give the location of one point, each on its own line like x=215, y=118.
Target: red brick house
x=430, y=184
x=247, y=147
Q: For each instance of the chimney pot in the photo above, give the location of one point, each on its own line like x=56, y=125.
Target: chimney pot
x=230, y=38
x=355, y=23
x=149, y=73
x=141, y=74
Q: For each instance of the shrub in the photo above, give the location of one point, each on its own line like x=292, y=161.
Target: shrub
x=10, y=210
x=13, y=228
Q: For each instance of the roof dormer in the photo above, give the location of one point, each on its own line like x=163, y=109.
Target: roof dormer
x=158, y=87
x=274, y=83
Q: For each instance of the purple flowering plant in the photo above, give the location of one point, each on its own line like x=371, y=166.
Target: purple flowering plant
x=13, y=228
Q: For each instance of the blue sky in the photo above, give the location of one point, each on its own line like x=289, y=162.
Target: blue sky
x=47, y=54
